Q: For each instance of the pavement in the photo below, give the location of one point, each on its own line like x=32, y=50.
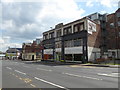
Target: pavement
x=72, y=63
x=27, y=74
x=100, y=65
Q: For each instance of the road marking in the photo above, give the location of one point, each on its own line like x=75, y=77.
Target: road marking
x=109, y=75
x=43, y=69
x=116, y=73
x=32, y=85
x=9, y=68
x=20, y=78
x=20, y=72
x=16, y=75
x=81, y=76
x=27, y=80
x=49, y=83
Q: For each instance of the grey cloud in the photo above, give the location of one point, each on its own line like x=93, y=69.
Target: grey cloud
x=27, y=13
x=21, y=14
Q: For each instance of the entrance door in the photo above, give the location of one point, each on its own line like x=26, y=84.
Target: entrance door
x=32, y=57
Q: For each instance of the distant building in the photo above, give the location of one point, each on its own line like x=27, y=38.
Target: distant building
x=13, y=53
x=32, y=51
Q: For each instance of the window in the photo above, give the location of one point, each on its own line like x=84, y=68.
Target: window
x=78, y=27
x=69, y=43
x=118, y=23
x=118, y=14
x=77, y=42
x=59, y=33
x=81, y=27
x=45, y=36
x=51, y=35
x=75, y=29
x=58, y=44
x=67, y=30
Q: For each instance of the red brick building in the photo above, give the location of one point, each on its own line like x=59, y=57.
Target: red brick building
x=113, y=30
x=31, y=51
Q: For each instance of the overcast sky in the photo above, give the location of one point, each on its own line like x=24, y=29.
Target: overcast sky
x=26, y=20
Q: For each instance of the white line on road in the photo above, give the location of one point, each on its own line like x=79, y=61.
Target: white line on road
x=20, y=72
x=109, y=75
x=81, y=76
x=32, y=85
x=50, y=83
x=43, y=69
x=9, y=68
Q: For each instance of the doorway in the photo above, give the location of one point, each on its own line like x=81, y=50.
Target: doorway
x=32, y=57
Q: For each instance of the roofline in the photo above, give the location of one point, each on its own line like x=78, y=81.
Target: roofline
x=66, y=24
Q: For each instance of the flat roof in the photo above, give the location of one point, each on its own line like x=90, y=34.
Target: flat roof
x=66, y=24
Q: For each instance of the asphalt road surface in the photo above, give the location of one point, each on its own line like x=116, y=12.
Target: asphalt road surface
x=24, y=74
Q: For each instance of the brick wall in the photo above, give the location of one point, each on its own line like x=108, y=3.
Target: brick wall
x=94, y=39
x=113, y=31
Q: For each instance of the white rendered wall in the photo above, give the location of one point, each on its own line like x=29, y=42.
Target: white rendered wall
x=91, y=55
x=73, y=50
x=114, y=50
x=70, y=50
x=48, y=51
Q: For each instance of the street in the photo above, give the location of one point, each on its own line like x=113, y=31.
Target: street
x=25, y=74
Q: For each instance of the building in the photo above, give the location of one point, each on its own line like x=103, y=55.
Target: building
x=31, y=51
x=84, y=40
x=13, y=53
x=76, y=41
x=113, y=34
x=2, y=56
